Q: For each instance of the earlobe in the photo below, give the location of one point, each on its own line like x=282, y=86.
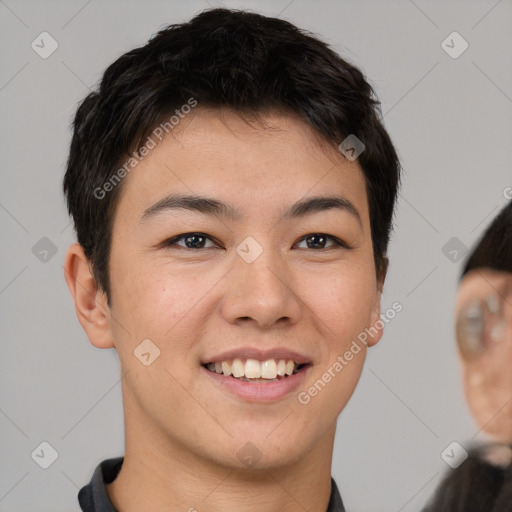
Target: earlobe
x=91, y=303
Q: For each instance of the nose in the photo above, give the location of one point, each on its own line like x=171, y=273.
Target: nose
x=261, y=293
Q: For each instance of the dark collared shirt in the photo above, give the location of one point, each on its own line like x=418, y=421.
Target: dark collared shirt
x=94, y=498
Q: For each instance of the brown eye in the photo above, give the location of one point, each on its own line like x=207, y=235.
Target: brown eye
x=190, y=241
x=319, y=240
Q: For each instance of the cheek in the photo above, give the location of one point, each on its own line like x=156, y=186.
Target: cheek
x=342, y=300
x=488, y=385
x=155, y=302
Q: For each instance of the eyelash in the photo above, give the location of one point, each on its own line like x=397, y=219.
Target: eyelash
x=172, y=241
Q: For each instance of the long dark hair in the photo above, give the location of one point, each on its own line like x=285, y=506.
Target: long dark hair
x=475, y=486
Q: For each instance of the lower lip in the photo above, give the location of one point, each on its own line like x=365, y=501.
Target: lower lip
x=259, y=391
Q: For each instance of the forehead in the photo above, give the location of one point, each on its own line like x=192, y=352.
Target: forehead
x=254, y=164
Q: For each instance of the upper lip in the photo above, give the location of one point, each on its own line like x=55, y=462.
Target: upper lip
x=258, y=354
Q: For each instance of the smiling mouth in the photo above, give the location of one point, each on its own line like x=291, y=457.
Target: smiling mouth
x=252, y=370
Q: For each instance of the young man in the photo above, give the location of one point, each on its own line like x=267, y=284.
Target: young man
x=232, y=189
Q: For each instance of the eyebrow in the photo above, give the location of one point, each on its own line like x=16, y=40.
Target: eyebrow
x=218, y=208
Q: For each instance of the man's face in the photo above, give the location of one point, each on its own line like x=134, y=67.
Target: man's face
x=483, y=314
x=248, y=287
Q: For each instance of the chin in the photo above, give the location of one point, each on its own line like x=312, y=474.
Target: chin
x=255, y=453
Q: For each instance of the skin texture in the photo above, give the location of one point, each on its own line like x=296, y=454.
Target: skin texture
x=182, y=433
x=487, y=376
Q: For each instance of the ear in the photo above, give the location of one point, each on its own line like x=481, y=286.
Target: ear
x=91, y=303
x=376, y=326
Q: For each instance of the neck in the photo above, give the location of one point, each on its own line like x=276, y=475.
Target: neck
x=161, y=474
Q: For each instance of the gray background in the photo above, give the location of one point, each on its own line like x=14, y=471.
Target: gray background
x=451, y=120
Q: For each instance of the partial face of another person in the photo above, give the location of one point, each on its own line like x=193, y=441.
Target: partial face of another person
x=255, y=279
x=484, y=337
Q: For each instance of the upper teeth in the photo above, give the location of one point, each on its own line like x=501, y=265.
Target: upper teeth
x=254, y=369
